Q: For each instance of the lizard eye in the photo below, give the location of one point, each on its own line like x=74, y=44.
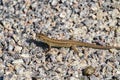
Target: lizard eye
x=37, y=35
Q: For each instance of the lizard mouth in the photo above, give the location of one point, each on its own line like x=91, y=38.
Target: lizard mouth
x=37, y=36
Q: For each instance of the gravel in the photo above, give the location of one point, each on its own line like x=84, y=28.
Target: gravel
x=22, y=57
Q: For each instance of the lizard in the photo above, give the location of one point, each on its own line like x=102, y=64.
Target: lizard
x=70, y=43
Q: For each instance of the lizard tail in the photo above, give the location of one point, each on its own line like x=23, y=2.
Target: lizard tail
x=99, y=46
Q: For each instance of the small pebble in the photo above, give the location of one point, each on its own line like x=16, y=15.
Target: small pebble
x=10, y=48
x=63, y=15
x=88, y=71
x=1, y=51
x=59, y=58
x=59, y=70
x=18, y=48
x=54, y=2
x=18, y=61
x=25, y=55
x=16, y=38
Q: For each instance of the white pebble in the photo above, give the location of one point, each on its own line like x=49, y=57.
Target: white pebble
x=25, y=55
x=18, y=48
x=62, y=15
x=18, y=61
x=118, y=72
x=54, y=2
x=10, y=48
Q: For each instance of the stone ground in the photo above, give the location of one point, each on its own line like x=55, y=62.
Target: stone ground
x=23, y=57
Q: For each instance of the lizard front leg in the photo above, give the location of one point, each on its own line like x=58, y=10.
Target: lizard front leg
x=49, y=48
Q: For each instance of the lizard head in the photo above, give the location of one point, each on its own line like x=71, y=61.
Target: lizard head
x=40, y=36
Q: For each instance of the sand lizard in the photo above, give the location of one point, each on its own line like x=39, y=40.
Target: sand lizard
x=70, y=43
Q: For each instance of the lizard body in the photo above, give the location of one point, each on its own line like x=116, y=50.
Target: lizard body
x=70, y=43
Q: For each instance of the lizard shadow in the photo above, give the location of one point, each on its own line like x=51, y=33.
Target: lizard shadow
x=38, y=43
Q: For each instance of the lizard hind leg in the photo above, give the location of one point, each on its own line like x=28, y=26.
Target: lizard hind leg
x=75, y=49
x=73, y=46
